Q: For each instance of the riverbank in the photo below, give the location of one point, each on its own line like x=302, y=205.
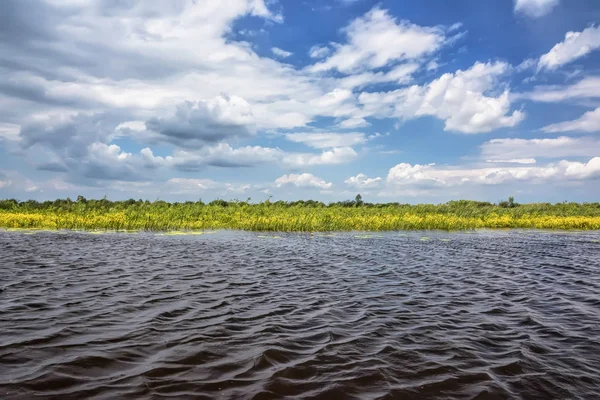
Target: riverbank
x=295, y=217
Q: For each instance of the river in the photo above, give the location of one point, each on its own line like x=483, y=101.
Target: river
x=243, y=315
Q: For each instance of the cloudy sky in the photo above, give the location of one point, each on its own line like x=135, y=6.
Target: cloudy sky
x=397, y=100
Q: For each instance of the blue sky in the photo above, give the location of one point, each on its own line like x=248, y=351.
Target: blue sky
x=397, y=100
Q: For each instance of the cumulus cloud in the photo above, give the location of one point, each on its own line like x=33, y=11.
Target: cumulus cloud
x=109, y=162
x=77, y=144
x=588, y=122
x=201, y=122
x=280, y=52
x=161, y=55
x=578, y=170
x=405, y=173
x=460, y=99
x=322, y=140
x=68, y=111
x=430, y=176
x=170, y=64
x=535, y=8
x=376, y=39
x=361, y=181
x=561, y=147
x=575, y=45
x=304, y=180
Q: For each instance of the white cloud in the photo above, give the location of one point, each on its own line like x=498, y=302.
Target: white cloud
x=172, y=62
x=405, y=173
x=376, y=39
x=304, y=180
x=588, y=87
x=327, y=139
x=376, y=135
x=109, y=162
x=588, y=122
x=104, y=161
x=337, y=155
x=361, y=181
x=280, y=52
x=319, y=51
x=353, y=123
x=579, y=170
x=575, y=45
x=430, y=176
x=164, y=54
x=223, y=155
x=561, y=147
x=167, y=54
x=459, y=99
x=535, y=8
x=526, y=64
x=432, y=65
x=333, y=99
x=401, y=74
x=454, y=27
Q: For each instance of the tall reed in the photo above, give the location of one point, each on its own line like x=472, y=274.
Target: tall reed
x=303, y=216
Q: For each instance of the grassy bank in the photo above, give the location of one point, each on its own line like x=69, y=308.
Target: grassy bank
x=302, y=216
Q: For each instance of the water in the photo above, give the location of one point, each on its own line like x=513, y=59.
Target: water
x=507, y=314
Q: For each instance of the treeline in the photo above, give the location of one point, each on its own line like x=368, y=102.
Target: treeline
x=457, y=207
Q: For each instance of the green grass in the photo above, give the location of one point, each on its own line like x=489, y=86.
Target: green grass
x=303, y=216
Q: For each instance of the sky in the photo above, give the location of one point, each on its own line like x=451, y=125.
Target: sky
x=400, y=101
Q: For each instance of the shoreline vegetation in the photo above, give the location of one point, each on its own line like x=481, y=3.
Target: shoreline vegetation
x=296, y=216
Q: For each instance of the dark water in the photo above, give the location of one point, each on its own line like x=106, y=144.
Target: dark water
x=488, y=315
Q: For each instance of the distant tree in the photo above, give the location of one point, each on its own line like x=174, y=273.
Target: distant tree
x=219, y=202
x=508, y=204
x=358, y=201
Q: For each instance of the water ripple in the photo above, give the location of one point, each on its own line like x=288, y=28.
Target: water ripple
x=490, y=315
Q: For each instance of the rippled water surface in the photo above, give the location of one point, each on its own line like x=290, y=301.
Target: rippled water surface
x=507, y=314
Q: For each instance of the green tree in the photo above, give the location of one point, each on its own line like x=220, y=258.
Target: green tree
x=358, y=200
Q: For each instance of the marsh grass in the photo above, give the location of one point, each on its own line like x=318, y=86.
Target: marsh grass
x=195, y=218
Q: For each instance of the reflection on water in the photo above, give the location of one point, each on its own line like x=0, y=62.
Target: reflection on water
x=507, y=314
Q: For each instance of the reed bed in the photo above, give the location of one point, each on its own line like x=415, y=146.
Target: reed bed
x=299, y=216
